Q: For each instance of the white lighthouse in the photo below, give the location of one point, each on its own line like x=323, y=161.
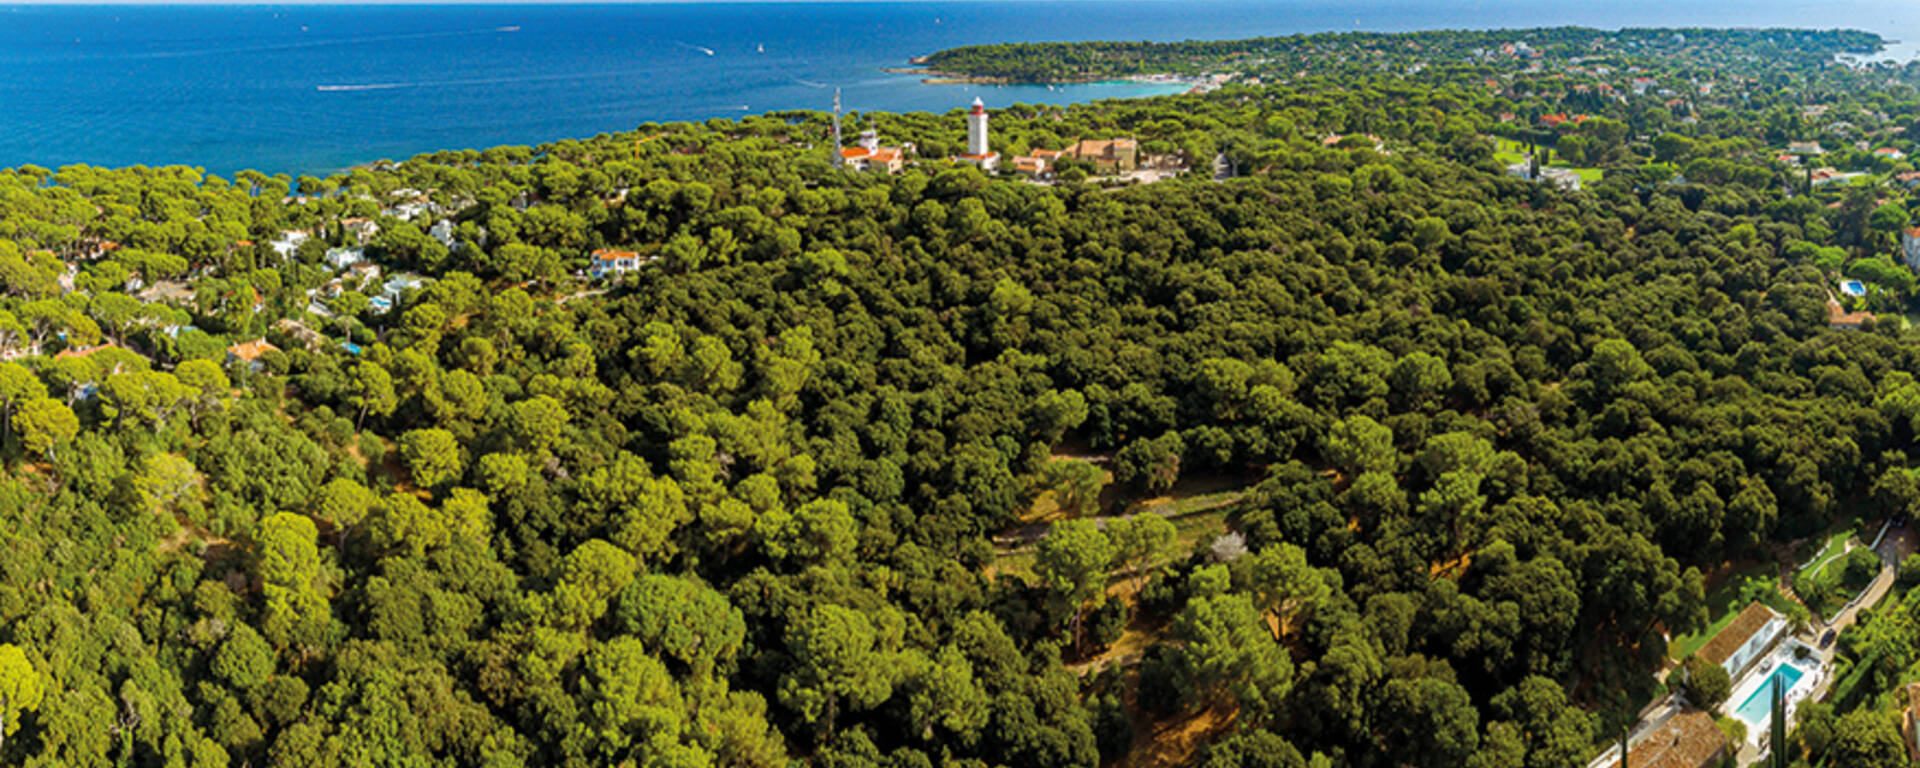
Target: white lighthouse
x=977, y=129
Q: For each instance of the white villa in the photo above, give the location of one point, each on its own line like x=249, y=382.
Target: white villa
x=607, y=262
x=1563, y=178
x=289, y=241
x=1758, y=653
x=342, y=258
x=1742, y=641
x=442, y=231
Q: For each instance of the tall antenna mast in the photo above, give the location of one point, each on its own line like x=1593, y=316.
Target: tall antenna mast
x=837, y=159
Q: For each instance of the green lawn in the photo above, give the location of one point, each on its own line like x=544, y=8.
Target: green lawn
x=1587, y=175
x=1509, y=153
x=1723, y=603
x=1829, y=549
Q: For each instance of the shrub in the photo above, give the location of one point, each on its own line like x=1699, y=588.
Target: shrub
x=1910, y=570
x=1706, y=684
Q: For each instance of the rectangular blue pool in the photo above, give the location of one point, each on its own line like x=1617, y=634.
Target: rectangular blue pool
x=1755, y=710
x=1853, y=288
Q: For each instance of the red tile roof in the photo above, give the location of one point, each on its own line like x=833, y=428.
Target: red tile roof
x=250, y=350
x=71, y=352
x=1687, y=740
x=1839, y=317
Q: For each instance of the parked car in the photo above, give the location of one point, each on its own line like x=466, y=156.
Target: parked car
x=1827, y=639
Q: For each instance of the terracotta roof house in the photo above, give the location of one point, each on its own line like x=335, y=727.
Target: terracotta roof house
x=607, y=262
x=988, y=162
x=1745, y=638
x=251, y=352
x=1839, y=318
x=1031, y=166
x=1110, y=156
x=84, y=352
x=886, y=160
x=869, y=155
x=1687, y=740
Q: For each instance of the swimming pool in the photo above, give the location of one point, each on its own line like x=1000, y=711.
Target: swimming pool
x=1756, y=709
x=1853, y=288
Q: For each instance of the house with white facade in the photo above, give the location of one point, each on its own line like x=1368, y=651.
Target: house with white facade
x=1749, y=635
x=611, y=263
x=343, y=258
x=288, y=242
x=442, y=231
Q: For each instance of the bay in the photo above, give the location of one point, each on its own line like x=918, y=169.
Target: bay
x=317, y=88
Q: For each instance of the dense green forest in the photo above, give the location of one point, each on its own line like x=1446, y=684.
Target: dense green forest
x=871, y=470
x=1076, y=62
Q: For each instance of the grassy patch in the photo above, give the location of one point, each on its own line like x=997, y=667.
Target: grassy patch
x=1176, y=506
x=1723, y=603
x=1019, y=564
x=1587, y=175
x=1830, y=549
x=1195, y=530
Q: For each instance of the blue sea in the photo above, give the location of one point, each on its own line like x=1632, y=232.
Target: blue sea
x=317, y=88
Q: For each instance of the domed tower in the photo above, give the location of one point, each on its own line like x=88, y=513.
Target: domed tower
x=977, y=129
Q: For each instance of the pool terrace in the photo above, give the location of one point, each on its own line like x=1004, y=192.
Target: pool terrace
x=1752, y=699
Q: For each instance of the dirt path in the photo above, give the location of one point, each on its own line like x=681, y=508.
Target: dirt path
x=1017, y=540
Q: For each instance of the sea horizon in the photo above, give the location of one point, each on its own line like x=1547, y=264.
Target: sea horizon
x=316, y=88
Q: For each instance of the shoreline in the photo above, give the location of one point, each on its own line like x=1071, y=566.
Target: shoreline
x=944, y=77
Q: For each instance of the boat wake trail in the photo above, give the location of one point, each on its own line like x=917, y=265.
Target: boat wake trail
x=366, y=87
x=348, y=87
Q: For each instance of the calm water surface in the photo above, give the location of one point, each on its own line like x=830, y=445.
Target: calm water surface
x=312, y=89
